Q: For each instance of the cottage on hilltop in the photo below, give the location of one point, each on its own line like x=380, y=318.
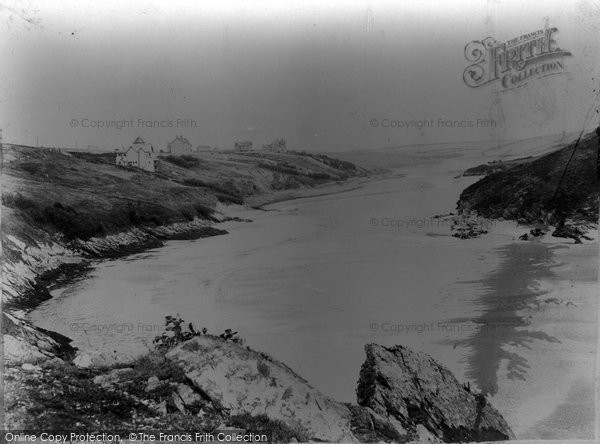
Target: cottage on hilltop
x=140, y=155
x=277, y=146
x=243, y=146
x=179, y=145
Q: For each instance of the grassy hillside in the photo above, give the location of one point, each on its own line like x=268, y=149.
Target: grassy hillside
x=495, y=166
x=527, y=192
x=83, y=195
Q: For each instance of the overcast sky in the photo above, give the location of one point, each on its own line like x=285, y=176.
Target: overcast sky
x=315, y=73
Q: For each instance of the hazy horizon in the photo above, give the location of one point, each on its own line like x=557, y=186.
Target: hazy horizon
x=317, y=75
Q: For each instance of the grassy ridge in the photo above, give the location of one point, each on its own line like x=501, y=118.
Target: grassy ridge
x=528, y=192
x=83, y=195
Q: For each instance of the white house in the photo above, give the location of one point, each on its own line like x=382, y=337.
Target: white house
x=139, y=155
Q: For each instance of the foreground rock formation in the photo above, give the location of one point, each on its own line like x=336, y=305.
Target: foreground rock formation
x=239, y=380
x=209, y=383
x=415, y=390
x=402, y=395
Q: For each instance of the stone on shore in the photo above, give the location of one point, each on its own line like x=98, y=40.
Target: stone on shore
x=152, y=384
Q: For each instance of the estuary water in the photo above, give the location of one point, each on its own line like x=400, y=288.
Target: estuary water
x=311, y=281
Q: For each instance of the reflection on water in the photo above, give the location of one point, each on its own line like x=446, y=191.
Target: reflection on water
x=503, y=292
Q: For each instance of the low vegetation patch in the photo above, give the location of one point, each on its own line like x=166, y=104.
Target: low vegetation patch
x=98, y=158
x=338, y=164
x=86, y=221
x=184, y=161
x=177, y=331
x=277, y=431
x=224, y=193
x=61, y=397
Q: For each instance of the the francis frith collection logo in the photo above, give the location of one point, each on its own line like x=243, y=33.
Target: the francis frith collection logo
x=515, y=62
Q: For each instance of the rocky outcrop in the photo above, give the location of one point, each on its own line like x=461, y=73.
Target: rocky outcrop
x=238, y=380
x=211, y=383
x=467, y=226
x=570, y=231
x=24, y=343
x=402, y=395
x=139, y=238
x=555, y=188
x=414, y=389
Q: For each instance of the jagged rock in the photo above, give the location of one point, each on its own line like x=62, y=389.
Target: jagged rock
x=424, y=436
x=369, y=426
x=186, y=399
x=178, y=402
x=238, y=380
x=524, y=236
x=414, y=389
x=24, y=342
x=17, y=350
x=162, y=408
x=114, y=377
x=153, y=384
x=536, y=232
x=569, y=232
x=467, y=226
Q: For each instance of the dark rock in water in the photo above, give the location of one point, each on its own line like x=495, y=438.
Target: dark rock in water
x=569, y=232
x=536, y=232
x=468, y=226
x=414, y=389
x=524, y=236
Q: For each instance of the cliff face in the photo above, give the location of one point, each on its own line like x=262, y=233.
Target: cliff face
x=415, y=390
x=526, y=191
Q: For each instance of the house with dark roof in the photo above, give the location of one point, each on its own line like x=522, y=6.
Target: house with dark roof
x=243, y=146
x=179, y=145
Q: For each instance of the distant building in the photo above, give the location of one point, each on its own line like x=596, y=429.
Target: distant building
x=140, y=155
x=179, y=145
x=243, y=146
x=200, y=148
x=277, y=146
